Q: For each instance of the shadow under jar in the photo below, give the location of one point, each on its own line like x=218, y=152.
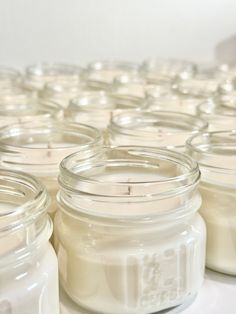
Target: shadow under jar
x=96, y=108
x=28, y=263
x=218, y=115
x=39, y=147
x=216, y=154
x=156, y=129
x=128, y=235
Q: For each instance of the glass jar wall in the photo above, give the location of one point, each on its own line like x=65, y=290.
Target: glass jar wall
x=96, y=108
x=37, y=75
x=127, y=233
x=100, y=74
x=216, y=155
x=39, y=147
x=157, y=129
x=28, y=263
x=218, y=115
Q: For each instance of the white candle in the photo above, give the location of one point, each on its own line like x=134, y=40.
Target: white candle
x=116, y=253
x=220, y=117
x=157, y=129
x=39, y=147
x=38, y=75
x=216, y=154
x=100, y=74
x=96, y=108
x=28, y=264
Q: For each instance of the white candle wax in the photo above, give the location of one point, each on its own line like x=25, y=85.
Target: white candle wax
x=111, y=267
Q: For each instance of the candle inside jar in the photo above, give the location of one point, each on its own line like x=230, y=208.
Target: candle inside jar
x=28, y=264
x=111, y=267
x=38, y=148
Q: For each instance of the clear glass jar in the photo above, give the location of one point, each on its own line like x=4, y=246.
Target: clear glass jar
x=129, y=84
x=128, y=235
x=165, y=98
x=38, y=74
x=226, y=93
x=156, y=129
x=62, y=91
x=164, y=70
x=216, y=154
x=201, y=85
x=96, y=108
x=23, y=107
x=219, y=116
x=9, y=77
x=39, y=147
x=100, y=74
x=28, y=263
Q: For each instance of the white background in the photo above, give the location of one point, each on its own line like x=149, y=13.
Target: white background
x=79, y=31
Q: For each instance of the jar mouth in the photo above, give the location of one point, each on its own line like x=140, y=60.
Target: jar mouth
x=103, y=101
x=9, y=74
x=129, y=171
x=216, y=154
x=197, y=86
x=166, y=69
x=156, y=123
x=63, y=86
x=44, y=143
x=24, y=200
x=112, y=65
x=25, y=107
x=42, y=70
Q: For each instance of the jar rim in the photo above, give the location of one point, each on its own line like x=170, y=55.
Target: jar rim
x=11, y=73
x=88, y=100
x=72, y=166
x=44, y=68
x=185, y=122
x=213, y=108
x=29, y=210
x=215, y=153
x=39, y=149
x=111, y=65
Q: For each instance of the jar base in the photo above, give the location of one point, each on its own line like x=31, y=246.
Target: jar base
x=71, y=307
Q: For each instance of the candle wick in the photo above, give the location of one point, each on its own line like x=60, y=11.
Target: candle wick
x=49, y=153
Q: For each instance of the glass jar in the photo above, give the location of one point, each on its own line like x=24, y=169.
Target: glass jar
x=100, y=74
x=62, y=91
x=128, y=235
x=129, y=84
x=23, y=107
x=96, y=107
x=156, y=129
x=226, y=92
x=163, y=97
x=9, y=77
x=28, y=263
x=219, y=116
x=216, y=154
x=38, y=74
x=164, y=70
x=201, y=85
x=39, y=147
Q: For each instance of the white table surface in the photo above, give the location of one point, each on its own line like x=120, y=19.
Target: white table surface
x=217, y=296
